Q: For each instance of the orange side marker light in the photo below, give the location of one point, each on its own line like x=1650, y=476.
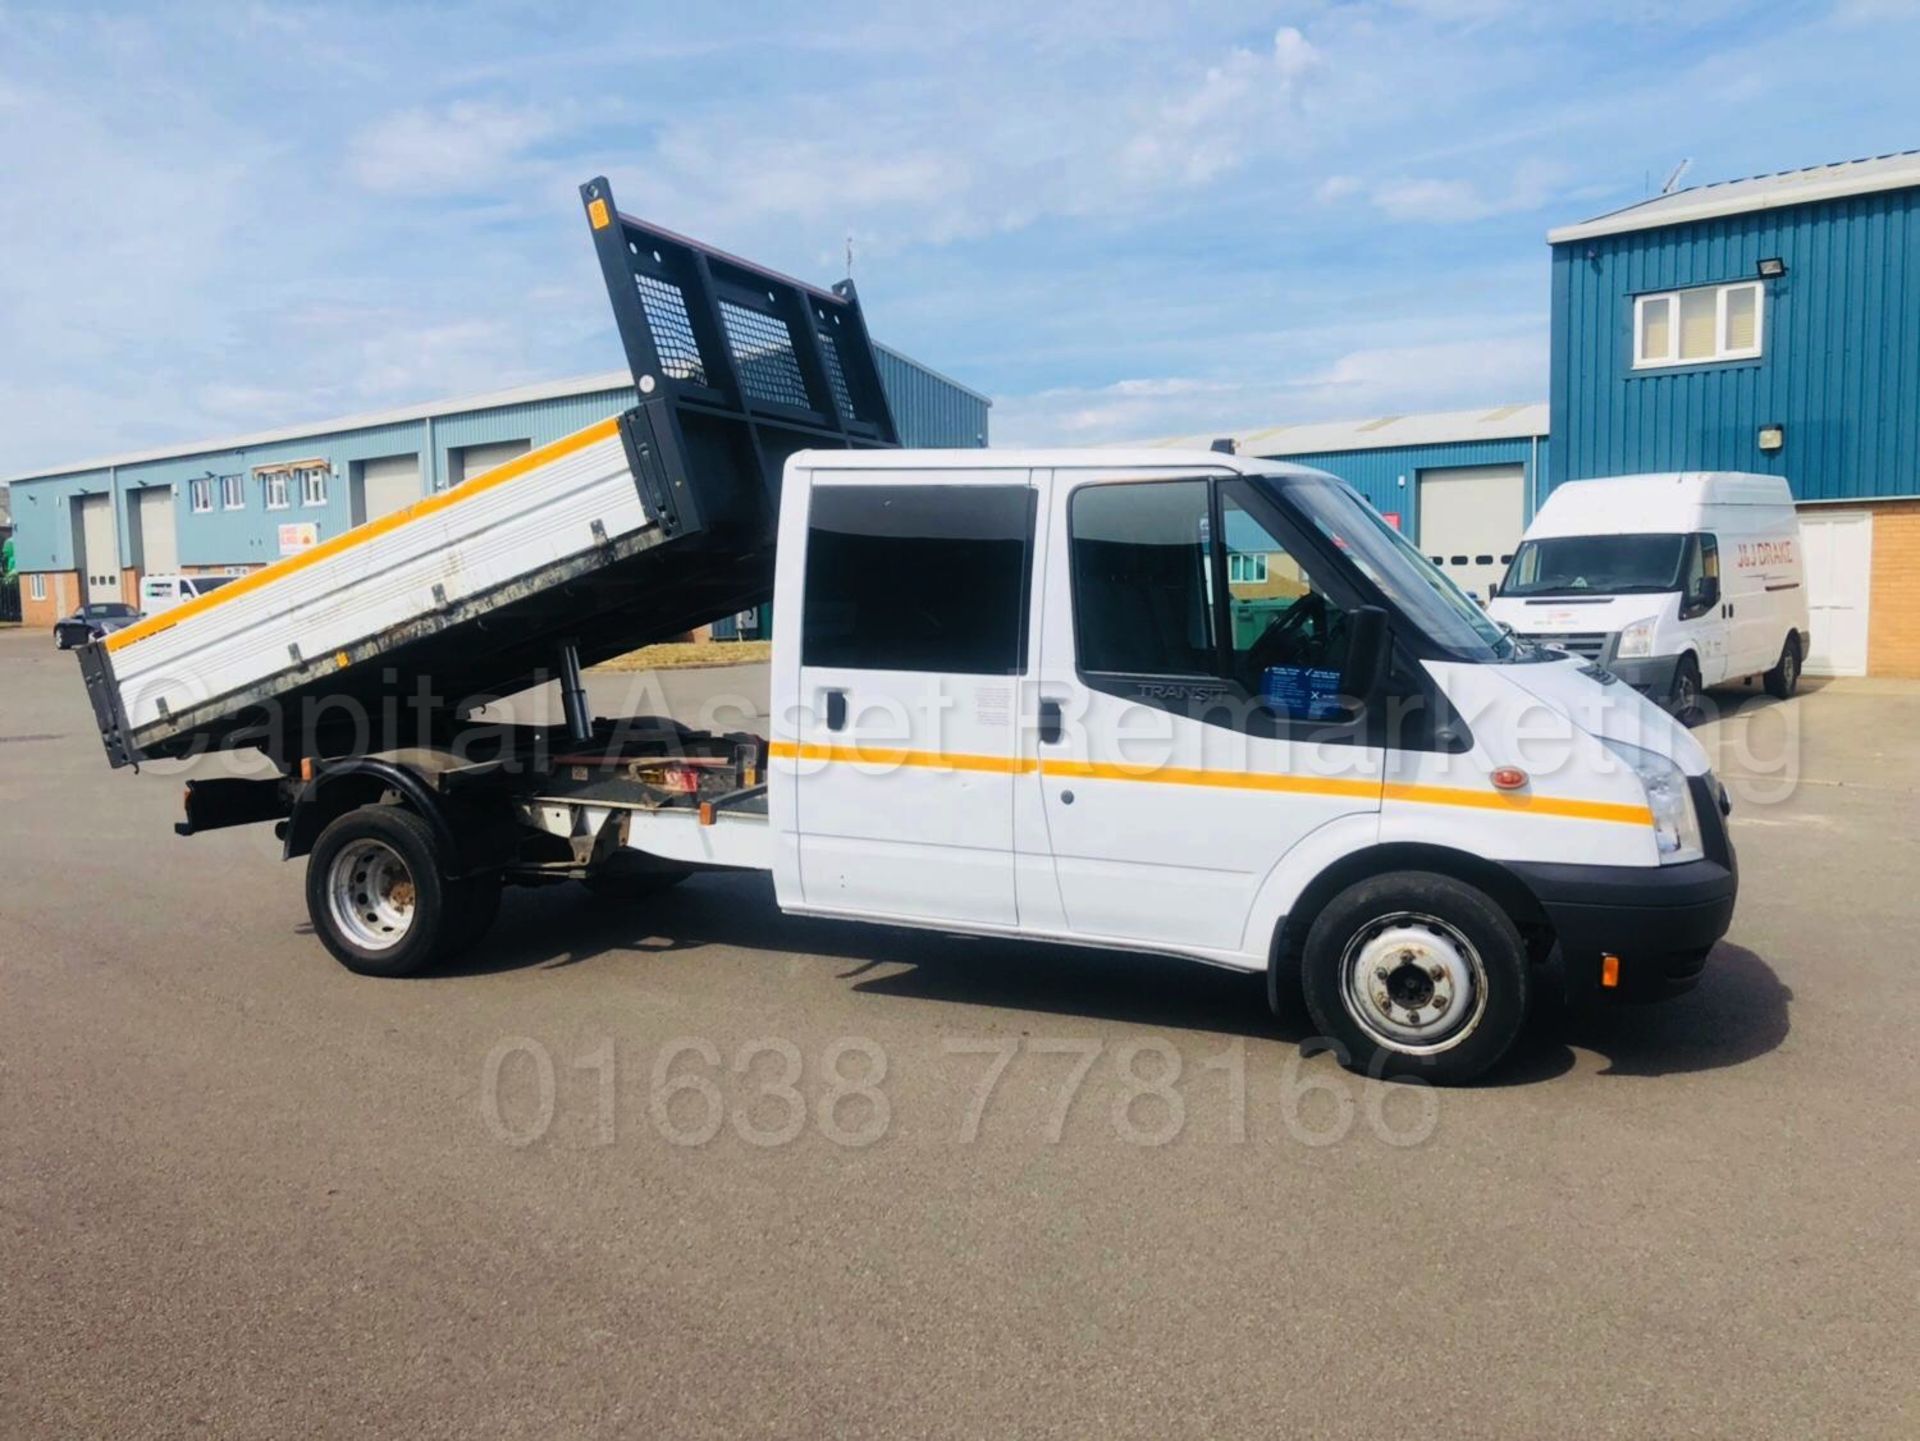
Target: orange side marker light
x=1609, y=971
x=1508, y=778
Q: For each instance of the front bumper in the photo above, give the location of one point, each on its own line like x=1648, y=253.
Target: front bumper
x=1660, y=921
x=1652, y=677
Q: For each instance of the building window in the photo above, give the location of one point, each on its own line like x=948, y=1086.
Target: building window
x=313, y=485
x=233, y=492
x=275, y=484
x=201, y=492
x=1245, y=569
x=37, y=587
x=918, y=578
x=1697, y=327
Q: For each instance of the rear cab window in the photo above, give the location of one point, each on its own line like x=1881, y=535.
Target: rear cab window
x=925, y=578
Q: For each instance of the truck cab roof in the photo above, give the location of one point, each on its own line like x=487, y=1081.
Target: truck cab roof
x=1157, y=459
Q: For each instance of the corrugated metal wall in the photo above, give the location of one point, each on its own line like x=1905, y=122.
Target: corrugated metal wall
x=928, y=409
x=1390, y=478
x=1840, y=367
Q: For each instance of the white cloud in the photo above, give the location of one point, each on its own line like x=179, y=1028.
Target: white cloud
x=1442, y=375
x=460, y=148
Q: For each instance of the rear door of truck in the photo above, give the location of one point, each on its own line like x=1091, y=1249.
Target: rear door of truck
x=908, y=644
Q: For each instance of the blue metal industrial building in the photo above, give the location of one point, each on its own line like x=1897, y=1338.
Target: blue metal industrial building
x=88, y=531
x=1769, y=324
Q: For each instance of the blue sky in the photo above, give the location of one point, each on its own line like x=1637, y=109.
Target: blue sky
x=1117, y=219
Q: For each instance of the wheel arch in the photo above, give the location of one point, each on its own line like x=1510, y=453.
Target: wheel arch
x=365, y=781
x=1506, y=889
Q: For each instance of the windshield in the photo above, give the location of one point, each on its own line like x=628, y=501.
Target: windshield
x=110, y=610
x=1596, y=564
x=1413, y=583
x=203, y=583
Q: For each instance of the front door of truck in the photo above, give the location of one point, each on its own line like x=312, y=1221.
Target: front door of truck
x=1191, y=655
x=914, y=639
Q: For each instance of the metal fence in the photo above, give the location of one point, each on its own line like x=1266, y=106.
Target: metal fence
x=10, y=598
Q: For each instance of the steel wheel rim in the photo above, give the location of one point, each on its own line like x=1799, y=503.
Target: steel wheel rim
x=1414, y=983
x=371, y=895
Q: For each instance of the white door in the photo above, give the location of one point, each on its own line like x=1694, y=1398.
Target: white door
x=159, y=545
x=913, y=642
x=1839, y=563
x=1186, y=738
x=1471, y=518
x=99, y=551
x=388, y=484
x=472, y=461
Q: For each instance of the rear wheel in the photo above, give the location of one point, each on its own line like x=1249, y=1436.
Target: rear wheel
x=377, y=893
x=1684, y=699
x=1784, y=679
x=1416, y=974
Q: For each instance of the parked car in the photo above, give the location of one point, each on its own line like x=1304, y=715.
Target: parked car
x=90, y=622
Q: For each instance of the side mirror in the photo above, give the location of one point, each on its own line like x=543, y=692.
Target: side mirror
x=1493, y=590
x=1367, y=647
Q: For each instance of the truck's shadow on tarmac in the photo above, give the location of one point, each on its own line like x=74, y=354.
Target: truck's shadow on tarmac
x=1738, y=1012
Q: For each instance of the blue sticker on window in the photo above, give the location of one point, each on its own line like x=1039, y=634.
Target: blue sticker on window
x=1308, y=692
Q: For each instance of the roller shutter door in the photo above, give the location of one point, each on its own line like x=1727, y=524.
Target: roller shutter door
x=1471, y=518
x=476, y=460
x=99, y=550
x=159, y=541
x=388, y=484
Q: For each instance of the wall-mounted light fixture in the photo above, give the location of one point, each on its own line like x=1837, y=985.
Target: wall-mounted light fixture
x=1772, y=437
x=1772, y=268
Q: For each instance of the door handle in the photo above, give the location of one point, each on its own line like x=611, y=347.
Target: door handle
x=1051, y=723
x=836, y=710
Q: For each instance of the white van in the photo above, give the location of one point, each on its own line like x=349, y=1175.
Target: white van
x=163, y=592
x=1671, y=582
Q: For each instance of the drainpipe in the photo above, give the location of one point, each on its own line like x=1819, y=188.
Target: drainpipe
x=433, y=460
x=1533, y=481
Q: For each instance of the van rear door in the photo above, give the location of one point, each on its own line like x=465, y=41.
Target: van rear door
x=913, y=642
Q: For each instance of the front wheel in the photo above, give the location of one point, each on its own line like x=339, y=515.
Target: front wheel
x=377, y=893
x=1416, y=974
x=1684, y=700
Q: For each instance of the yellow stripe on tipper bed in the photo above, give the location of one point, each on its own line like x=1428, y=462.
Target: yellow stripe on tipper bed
x=359, y=535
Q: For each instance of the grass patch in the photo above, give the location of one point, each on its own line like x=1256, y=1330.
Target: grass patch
x=687, y=655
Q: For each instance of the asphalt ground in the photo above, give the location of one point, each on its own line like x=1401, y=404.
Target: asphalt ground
x=692, y=1168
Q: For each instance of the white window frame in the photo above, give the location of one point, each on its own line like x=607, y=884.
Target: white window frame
x=1251, y=564
x=1722, y=352
x=233, y=492
x=200, y=495
x=274, y=489
x=37, y=586
x=313, y=485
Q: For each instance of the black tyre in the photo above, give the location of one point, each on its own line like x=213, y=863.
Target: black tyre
x=632, y=885
x=1784, y=679
x=474, y=904
x=1416, y=974
x=1684, y=699
x=377, y=892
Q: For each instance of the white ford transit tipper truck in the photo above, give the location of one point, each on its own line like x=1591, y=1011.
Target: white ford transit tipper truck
x=1195, y=704
x=1672, y=582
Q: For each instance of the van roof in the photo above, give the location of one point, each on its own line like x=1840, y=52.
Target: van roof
x=1671, y=500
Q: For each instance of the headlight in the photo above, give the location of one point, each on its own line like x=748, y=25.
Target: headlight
x=1635, y=641
x=1676, y=829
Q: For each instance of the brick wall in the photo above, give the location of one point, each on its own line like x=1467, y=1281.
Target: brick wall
x=63, y=597
x=1893, y=624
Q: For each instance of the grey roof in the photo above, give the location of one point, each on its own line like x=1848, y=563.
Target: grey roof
x=1897, y=171
x=456, y=405
x=1383, y=432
